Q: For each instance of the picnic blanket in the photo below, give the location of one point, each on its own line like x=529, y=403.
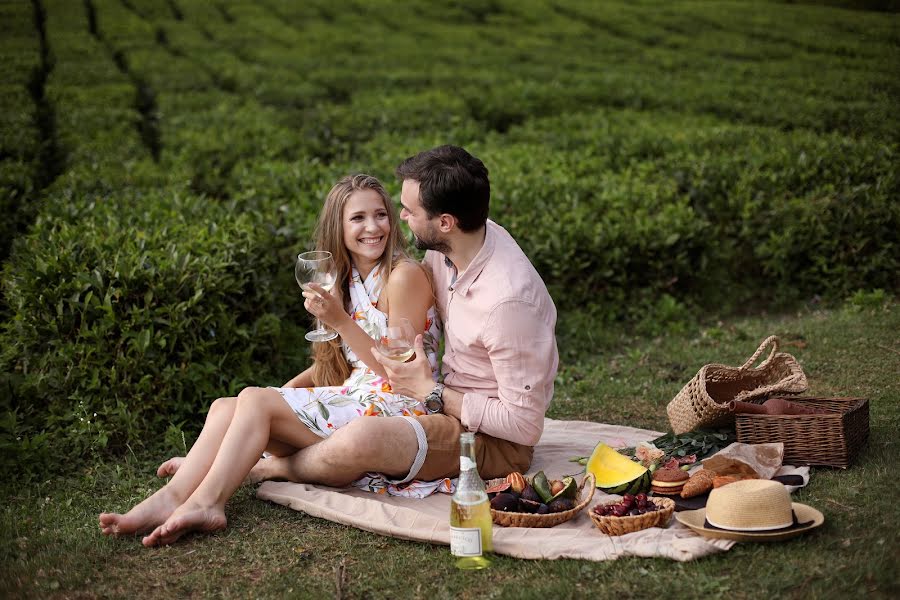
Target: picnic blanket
x=427, y=519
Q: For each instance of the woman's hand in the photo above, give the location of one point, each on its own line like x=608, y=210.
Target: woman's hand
x=324, y=306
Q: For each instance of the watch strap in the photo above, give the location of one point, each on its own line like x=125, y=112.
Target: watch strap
x=434, y=401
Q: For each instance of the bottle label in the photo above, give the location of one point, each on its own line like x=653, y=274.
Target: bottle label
x=465, y=541
x=466, y=463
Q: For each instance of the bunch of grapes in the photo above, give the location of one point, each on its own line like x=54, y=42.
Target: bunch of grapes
x=628, y=506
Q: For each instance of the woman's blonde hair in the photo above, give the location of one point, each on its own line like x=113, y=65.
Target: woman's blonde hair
x=330, y=366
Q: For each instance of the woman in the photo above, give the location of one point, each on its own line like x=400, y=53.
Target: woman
x=380, y=283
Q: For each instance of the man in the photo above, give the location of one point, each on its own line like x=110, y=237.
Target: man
x=500, y=355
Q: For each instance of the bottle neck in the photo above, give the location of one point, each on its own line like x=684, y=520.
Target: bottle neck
x=467, y=455
x=469, y=480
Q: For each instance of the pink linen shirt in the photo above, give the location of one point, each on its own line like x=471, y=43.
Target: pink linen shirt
x=499, y=341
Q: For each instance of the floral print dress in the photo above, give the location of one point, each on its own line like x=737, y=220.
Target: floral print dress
x=364, y=393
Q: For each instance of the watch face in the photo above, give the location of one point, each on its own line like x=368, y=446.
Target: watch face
x=434, y=404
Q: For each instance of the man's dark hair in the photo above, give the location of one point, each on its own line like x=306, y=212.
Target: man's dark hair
x=451, y=181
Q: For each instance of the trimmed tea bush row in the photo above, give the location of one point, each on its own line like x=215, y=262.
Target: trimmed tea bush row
x=760, y=202
x=648, y=160
x=21, y=84
x=134, y=314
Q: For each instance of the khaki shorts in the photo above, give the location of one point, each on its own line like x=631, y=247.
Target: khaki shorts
x=495, y=457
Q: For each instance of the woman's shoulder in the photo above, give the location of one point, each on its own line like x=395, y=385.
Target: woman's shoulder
x=408, y=274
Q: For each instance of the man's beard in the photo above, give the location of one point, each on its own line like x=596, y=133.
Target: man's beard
x=431, y=243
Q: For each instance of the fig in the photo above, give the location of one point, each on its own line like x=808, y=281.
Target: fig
x=528, y=506
x=567, y=489
x=529, y=493
x=498, y=487
x=516, y=481
x=543, y=509
x=561, y=504
x=505, y=502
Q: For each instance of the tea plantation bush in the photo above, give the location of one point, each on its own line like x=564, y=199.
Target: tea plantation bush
x=161, y=164
x=129, y=313
x=21, y=84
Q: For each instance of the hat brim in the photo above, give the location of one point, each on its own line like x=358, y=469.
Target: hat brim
x=696, y=519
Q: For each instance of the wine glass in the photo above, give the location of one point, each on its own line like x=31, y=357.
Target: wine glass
x=397, y=341
x=316, y=267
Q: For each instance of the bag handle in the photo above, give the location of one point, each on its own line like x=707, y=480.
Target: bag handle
x=771, y=340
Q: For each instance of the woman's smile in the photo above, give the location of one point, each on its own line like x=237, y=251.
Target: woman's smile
x=366, y=227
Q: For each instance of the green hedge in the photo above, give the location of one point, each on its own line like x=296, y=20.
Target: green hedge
x=20, y=136
x=801, y=214
x=134, y=313
x=650, y=160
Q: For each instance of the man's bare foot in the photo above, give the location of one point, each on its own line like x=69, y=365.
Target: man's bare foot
x=273, y=467
x=144, y=517
x=170, y=467
x=186, y=518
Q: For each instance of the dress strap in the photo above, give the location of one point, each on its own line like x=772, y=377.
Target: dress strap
x=363, y=298
x=364, y=294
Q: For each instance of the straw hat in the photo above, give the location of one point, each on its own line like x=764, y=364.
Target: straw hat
x=752, y=510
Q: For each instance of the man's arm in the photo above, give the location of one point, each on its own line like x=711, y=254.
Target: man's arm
x=521, y=346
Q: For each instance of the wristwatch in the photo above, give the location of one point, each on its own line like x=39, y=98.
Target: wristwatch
x=434, y=402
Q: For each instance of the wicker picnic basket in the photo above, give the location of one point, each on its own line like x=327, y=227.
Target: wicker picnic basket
x=832, y=439
x=518, y=519
x=703, y=401
x=611, y=525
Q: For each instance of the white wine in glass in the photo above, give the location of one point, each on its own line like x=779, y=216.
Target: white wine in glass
x=397, y=340
x=316, y=267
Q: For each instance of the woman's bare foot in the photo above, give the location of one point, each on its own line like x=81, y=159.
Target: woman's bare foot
x=188, y=517
x=144, y=517
x=170, y=467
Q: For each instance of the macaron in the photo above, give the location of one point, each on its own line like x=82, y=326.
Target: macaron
x=668, y=482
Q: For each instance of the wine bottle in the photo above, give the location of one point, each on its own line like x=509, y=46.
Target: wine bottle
x=470, y=512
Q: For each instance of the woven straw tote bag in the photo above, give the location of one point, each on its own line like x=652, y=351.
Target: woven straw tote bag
x=703, y=402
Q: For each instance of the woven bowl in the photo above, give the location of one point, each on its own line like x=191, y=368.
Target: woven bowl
x=612, y=525
x=518, y=519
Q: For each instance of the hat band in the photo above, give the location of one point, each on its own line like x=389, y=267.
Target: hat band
x=764, y=528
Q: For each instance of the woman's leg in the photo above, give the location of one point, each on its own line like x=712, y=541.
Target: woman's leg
x=158, y=507
x=344, y=406
x=275, y=448
x=260, y=417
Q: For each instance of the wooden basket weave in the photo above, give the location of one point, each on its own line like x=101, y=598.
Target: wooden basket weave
x=703, y=401
x=611, y=525
x=833, y=439
x=517, y=519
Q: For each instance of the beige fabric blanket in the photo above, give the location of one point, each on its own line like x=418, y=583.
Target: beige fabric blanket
x=427, y=520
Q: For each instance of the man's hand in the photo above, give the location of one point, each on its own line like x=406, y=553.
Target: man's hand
x=411, y=378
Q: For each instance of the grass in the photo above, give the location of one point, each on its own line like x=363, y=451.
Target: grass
x=50, y=545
